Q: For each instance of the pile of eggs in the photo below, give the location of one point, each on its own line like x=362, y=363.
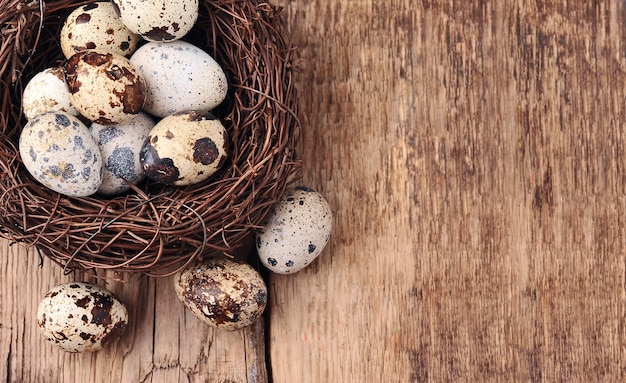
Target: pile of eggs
x=132, y=101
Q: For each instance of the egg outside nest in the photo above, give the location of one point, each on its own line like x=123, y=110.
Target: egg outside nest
x=295, y=232
x=81, y=317
x=223, y=293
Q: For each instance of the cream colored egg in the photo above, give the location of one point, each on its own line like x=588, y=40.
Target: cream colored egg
x=105, y=87
x=81, y=317
x=164, y=20
x=179, y=76
x=59, y=152
x=295, y=232
x=97, y=26
x=222, y=292
x=46, y=92
x=185, y=148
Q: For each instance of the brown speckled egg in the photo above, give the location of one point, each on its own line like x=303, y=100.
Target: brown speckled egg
x=58, y=150
x=185, y=148
x=96, y=26
x=105, y=87
x=159, y=20
x=81, y=317
x=295, y=231
x=223, y=293
x=47, y=92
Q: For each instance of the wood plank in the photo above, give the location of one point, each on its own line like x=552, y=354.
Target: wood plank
x=164, y=341
x=474, y=156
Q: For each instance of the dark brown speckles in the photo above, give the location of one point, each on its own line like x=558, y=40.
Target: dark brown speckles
x=104, y=120
x=85, y=336
x=220, y=308
x=169, y=135
x=195, y=115
x=60, y=336
x=156, y=168
x=71, y=73
x=205, y=151
x=115, y=73
x=96, y=58
x=83, y=302
x=101, y=311
x=134, y=95
x=83, y=18
x=159, y=34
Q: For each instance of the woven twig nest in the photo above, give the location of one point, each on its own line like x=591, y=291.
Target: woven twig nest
x=156, y=228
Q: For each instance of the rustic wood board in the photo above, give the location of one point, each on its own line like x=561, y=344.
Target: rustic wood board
x=473, y=153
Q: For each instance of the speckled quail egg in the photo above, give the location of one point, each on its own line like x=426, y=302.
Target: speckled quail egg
x=105, y=87
x=58, y=151
x=96, y=26
x=179, y=76
x=120, y=146
x=165, y=20
x=47, y=92
x=81, y=317
x=185, y=148
x=222, y=292
x=295, y=231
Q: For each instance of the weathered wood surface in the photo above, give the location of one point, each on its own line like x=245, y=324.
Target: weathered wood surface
x=473, y=153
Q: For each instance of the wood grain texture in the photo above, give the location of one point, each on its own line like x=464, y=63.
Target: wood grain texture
x=163, y=343
x=473, y=153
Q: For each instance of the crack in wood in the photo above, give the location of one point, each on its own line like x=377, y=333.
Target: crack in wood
x=8, y=362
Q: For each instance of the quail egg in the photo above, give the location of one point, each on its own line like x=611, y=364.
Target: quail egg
x=295, y=231
x=222, y=292
x=81, y=317
x=105, y=87
x=59, y=152
x=185, y=148
x=96, y=26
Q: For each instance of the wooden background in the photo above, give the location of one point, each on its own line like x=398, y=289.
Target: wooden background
x=473, y=153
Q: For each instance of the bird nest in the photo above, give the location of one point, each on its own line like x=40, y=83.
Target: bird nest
x=155, y=228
